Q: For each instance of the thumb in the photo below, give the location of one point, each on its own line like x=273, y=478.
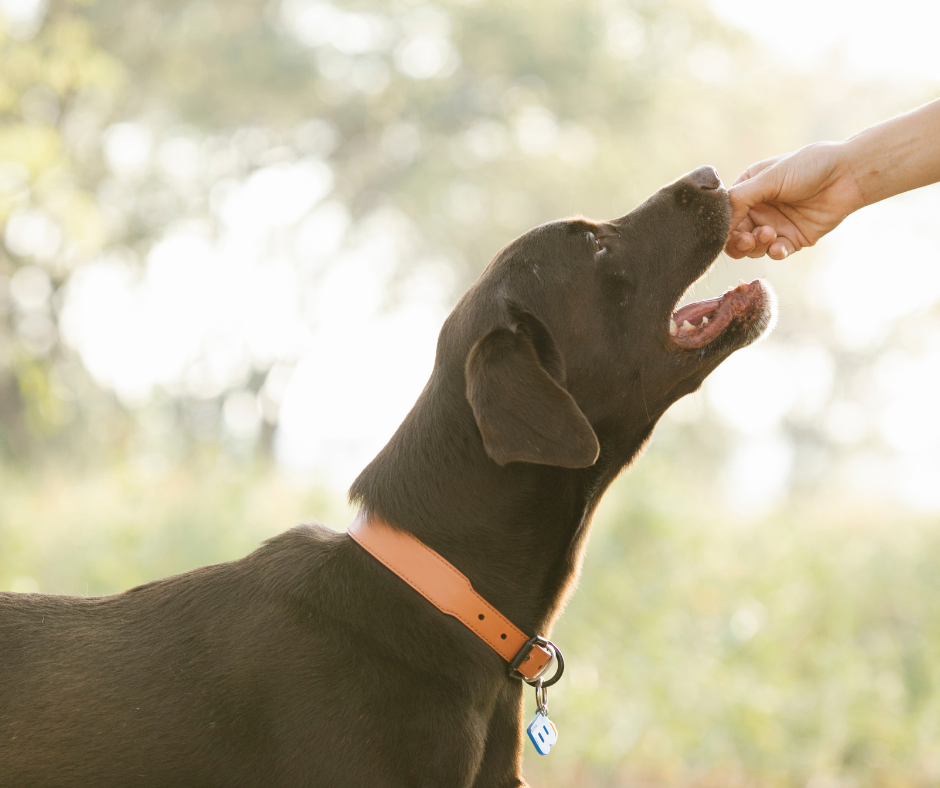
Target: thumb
x=745, y=195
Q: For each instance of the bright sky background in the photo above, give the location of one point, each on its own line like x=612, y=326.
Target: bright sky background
x=355, y=344
x=896, y=39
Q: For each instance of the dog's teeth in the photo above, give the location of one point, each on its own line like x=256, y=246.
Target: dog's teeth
x=704, y=321
x=687, y=326
x=742, y=283
x=673, y=328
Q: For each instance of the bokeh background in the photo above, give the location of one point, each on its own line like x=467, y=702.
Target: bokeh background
x=227, y=225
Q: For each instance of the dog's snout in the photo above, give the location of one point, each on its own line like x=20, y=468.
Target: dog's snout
x=705, y=178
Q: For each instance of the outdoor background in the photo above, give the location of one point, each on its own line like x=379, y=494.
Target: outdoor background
x=227, y=224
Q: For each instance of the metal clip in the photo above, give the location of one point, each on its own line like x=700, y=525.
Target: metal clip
x=541, y=697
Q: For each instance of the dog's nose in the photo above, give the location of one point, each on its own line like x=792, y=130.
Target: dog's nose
x=705, y=178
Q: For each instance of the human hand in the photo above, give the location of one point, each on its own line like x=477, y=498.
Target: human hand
x=784, y=203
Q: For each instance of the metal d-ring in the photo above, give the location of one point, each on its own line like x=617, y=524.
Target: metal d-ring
x=558, y=670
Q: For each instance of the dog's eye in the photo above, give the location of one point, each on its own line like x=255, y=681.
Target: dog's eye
x=597, y=246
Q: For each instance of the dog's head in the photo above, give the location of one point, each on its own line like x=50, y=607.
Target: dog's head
x=570, y=343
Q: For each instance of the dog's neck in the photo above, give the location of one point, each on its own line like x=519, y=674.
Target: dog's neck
x=516, y=531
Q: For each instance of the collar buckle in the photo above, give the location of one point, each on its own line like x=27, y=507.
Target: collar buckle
x=545, y=645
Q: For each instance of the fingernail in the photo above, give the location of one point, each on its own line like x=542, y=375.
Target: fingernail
x=783, y=253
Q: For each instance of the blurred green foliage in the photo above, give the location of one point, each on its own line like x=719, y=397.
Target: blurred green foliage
x=802, y=650
x=701, y=651
x=128, y=523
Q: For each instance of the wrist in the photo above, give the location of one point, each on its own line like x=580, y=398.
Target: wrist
x=859, y=182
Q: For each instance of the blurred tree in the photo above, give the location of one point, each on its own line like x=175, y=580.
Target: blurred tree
x=475, y=119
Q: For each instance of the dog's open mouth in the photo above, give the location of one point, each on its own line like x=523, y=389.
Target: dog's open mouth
x=747, y=306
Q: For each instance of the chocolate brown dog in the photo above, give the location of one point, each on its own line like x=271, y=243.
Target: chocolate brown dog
x=308, y=663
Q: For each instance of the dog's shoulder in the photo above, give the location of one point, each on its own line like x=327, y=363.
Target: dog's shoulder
x=306, y=536
x=308, y=546
x=302, y=561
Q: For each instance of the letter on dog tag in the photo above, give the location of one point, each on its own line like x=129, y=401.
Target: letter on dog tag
x=543, y=733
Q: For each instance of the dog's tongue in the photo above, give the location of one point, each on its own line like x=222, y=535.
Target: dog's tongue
x=695, y=325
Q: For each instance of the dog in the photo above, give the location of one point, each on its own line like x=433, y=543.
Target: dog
x=309, y=663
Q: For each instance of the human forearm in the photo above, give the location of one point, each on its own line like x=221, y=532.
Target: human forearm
x=896, y=156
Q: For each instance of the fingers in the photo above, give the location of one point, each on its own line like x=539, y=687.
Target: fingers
x=762, y=241
x=739, y=244
x=741, y=239
x=781, y=249
x=763, y=238
x=750, y=244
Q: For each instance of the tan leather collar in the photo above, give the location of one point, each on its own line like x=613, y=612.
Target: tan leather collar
x=450, y=591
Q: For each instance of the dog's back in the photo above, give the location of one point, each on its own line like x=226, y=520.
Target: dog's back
x=164, y=681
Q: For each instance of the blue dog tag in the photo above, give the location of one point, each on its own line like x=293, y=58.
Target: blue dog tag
x=542, y=732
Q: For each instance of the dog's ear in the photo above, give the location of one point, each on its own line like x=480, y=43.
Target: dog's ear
x=515, y=385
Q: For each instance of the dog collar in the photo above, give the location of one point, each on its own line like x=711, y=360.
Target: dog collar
x=451, y=592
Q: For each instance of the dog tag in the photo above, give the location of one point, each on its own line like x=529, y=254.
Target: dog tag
x=542, y=732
